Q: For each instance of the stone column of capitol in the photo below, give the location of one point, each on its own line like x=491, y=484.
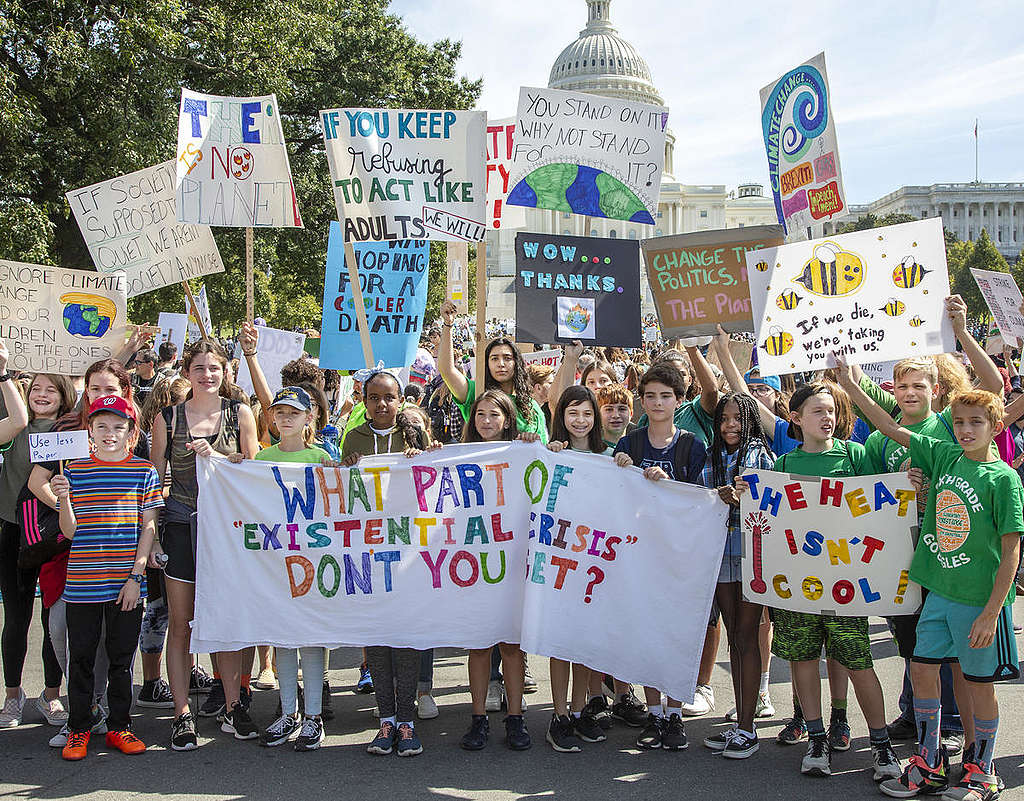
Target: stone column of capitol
x=601, y=62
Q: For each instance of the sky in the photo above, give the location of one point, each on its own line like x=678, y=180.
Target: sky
x=908, y=79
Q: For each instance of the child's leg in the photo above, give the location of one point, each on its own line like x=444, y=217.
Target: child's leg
x=964, y=703
x=927, y=711
x=807, y=681
x=288, y=679
x=764, y=638
x=84, y=637
x=180, y=611
x=580, y=685
x=378, y=659
x=122, y=638
x=869, y=696
x=406, y=668
x=838, y=683
x=986, y=723
x=559, y=670
x=312, y=680
x=426, y=678
x=708, y=656
x=742, y=620
x=479, y=675
x=246, y=657
x=266, y=657
x=513, y=670
x=228, y=665
x=151, y=638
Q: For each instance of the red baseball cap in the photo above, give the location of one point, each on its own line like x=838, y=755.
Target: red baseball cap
x=112, y=404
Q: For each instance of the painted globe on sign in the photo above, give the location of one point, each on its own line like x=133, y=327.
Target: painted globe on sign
x=88, y=316
x=577, y=321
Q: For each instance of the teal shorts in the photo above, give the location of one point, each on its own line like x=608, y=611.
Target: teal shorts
x=943, y=633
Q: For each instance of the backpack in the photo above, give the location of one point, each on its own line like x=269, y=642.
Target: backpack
x=637, y=444
x=39, y=538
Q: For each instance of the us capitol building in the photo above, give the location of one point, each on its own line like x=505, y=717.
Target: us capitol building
x=601, y=62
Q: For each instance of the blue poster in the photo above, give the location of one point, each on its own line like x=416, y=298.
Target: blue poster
x=393, y=279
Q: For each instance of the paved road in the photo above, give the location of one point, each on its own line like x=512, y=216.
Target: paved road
x=228, y=769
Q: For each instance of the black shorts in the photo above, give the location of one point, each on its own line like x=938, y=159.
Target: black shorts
x=715, y=614
x=181, y=552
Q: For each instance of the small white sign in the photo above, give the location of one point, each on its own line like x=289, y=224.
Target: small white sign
x=1003, y=299
x=551, y=358
x=49, y=446
x=576, y=318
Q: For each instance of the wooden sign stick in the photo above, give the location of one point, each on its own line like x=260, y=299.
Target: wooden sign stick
x=195, y=310
x=357, y=301
x=481, y=315
x=250, y=290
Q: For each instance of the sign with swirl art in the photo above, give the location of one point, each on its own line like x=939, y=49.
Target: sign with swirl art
x=800, y=138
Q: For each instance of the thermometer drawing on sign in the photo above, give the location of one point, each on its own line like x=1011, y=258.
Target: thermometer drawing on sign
x=757, y=522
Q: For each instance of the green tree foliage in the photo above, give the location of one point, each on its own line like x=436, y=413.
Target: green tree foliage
x=983, y=256
x=866, y=221
x=89, y=91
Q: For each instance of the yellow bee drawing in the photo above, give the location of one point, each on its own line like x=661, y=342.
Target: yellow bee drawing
x=893, y=307
x=832, y=271
x=915, y=322
x=761, y=266
x=778, y=343
x=909, y=273
x=788, y=300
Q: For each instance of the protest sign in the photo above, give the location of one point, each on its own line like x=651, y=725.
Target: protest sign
x=194, y=332
x=172, y=329
x=586, y=154
x=500, y=135
x=872, y=295
x=457, y=289
x=577, y=287
x=276, y=348
x=60, y=321
x=699, y=280
x=403, y=174
x=1003, y=298
x=232, y=167
x=129, y=223
x=879, y=372
x=51, y=446
x=393, y=280
x=830, y=546
x=523, y=537
x=549, y=358
x=800, y=139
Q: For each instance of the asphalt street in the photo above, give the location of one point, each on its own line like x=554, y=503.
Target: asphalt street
x=223, y=768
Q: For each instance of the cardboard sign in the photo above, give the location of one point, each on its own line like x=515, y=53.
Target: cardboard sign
x=129, y=223
x=173, y=329
x=879, y=372
x=60, y=321
x=275, y=349
x=232, y=167
x=699, y=280
x=408, y=174
x=500, y=135
x=577, y=287
x=195, y=333
x=800, y=138
x=457, y=289
x=550, y=358
x=1003, y=298
x=872, y=295
x=393, y=280
x=51, y=446
x=524, y=538
x=587, y=154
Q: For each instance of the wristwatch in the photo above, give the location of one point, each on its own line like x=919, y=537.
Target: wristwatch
x=138, y=577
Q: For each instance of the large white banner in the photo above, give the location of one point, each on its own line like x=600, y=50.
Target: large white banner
x=830, y=546
x=586, y=154
x=1003, y=298
x=60, y=321
x=462, y=547
x=232, y=167
x=874, y=295
x=406, y=174
x=129, y=223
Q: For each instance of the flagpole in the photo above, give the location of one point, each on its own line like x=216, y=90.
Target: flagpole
x=975, y=150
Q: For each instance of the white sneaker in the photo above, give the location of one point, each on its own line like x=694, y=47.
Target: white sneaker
x=53, y=711
x=266, y=680
x=495, y=695
x=13, y=710
x=703, y=702
x=426, y=707
x=60, y=739
x=764, y=708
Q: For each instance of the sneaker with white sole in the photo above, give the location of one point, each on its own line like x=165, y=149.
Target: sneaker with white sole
x=703, y=702
x=13, y=711
x=426, y=707
x=818, y=759
x=53, y=711
x=718, y=742
x=266, y=680
x=887, y=764
x=60, y=739
x=311, y=735
x=155, y=694
x=282, y=730
x=238, y=723
x=741, y=745
x=763, y=709
x=495, y=695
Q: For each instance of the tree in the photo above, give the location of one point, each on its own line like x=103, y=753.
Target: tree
x=866, y=221
x=983, y=256
x=89, y=91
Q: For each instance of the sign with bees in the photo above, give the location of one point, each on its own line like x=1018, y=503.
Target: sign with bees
x=577, y=287
x=872, y=295
x=700, y=280
x=1003, y=299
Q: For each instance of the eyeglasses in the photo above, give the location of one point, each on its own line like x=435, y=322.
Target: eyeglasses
x=760, y=389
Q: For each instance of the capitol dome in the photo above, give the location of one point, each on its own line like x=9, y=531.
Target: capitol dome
x=602, y=62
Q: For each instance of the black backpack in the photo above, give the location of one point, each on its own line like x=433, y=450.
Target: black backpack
x=40, y=539
x=636, y=444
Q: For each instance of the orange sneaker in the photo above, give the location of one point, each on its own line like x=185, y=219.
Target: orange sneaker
x=76, y=746
x=125, y=742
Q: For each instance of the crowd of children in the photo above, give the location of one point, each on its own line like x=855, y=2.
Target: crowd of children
x=121, y=527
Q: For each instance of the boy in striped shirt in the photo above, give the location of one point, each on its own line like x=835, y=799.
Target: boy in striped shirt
x=108, y=506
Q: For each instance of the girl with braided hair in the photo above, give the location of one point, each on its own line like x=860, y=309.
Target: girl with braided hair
x=738, y=446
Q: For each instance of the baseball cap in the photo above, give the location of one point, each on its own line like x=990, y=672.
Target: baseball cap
x=772, y=381
x=112, y=404
x=296, y=397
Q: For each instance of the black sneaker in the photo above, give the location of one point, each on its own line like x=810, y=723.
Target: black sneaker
x=201, y=682
x=741, y=745
x=793, y=732
x=673, y=736
x=630, y=711
x=516, y=736
x=597, y=710
x=238, y=723
x=818, y=759
x=245, y=697
x=650, y=736
x=311, y=735
x=282, y=730
x=952, y=741
x=560, y=735
x=326, y=710
x=588, y=729
x=155, y=694
x=213, y=706
x=838, y=731
x=902, y=729
x=479, y=731
x=183, y=733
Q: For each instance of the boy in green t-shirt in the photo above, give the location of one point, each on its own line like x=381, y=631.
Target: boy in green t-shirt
x=966, y=557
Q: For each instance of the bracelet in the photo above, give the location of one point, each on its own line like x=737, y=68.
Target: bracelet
x=253, y=353
x=446, y=325
x=137, y=577
x=5, y=377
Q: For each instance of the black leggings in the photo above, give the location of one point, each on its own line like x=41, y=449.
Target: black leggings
x=18, y=588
